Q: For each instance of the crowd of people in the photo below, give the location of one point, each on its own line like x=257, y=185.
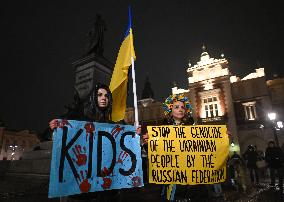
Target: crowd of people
x=259, y=165
x=178, y=112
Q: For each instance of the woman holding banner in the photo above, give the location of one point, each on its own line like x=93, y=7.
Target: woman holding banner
x=178, y=112
x=99, y=110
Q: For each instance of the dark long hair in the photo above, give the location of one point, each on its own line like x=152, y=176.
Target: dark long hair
x=98, y=113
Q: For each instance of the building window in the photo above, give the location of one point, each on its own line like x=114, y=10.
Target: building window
x=250, y=111
x=211, y=106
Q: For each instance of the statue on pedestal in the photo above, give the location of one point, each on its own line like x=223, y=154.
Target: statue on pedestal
x=96, y=37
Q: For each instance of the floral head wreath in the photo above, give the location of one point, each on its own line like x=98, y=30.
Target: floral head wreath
x=168, y=104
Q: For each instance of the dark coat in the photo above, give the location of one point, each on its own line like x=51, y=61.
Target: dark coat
x=251, y=157
x=274, y=157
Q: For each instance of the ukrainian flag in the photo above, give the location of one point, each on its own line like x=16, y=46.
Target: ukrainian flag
x=119, y=79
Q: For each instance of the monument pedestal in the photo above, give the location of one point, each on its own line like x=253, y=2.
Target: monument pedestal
x=90, y=70
x=43, y=151
x=28, y=176
x=32, y=162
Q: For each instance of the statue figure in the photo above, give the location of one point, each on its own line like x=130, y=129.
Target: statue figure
x=96, y=37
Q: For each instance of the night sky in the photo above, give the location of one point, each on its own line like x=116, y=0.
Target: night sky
x=40, y=40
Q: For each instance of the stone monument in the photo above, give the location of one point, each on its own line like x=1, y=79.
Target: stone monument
x=93, y=67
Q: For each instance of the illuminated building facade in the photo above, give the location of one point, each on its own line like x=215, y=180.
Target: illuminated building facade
x=218, y=97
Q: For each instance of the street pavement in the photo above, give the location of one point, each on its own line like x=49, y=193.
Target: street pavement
x=37, y=192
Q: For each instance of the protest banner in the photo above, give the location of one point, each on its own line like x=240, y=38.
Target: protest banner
x=187, y=154
x=90, y=156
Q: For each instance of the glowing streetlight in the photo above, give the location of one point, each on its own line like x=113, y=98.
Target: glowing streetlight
x=13, y=147
x=279, y=124
x=271, y=116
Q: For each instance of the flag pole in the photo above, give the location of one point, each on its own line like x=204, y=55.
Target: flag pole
x=136, y=123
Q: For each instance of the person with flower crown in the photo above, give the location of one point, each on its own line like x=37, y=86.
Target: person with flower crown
x=178, y=112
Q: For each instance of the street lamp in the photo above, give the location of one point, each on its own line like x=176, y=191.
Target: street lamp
x=279, y=124
x=13, y=147
x=272, y=117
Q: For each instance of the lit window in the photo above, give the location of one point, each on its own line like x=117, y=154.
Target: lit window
x=206, y=110
x=216, y=109
x=250, y=111
x=211, y=106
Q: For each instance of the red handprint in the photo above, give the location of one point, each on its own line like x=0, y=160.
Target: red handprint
x=63, y=123
x=90, y=128
x=105, y=172
x=136, y=181
x=122, y=156
x=107, y=183
x=81, y=157
x=116, y=130
x=84, y=186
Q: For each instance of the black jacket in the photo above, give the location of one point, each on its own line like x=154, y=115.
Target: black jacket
x=274, y=157
x=251, y=157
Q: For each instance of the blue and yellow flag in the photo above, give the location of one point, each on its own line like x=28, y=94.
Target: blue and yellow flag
x=119, y=79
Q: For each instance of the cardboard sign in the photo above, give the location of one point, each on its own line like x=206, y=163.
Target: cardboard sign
x=187, y=154
x=90, y=156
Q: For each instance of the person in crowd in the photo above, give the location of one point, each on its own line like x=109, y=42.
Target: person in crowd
x=275, y=159
x=261, y=164
x=236, y=163
x=251, y=158
x=236, y=158
x=236, y=171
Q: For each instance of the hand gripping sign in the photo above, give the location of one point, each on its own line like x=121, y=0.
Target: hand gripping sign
x=90, y=156
x=187, y=154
